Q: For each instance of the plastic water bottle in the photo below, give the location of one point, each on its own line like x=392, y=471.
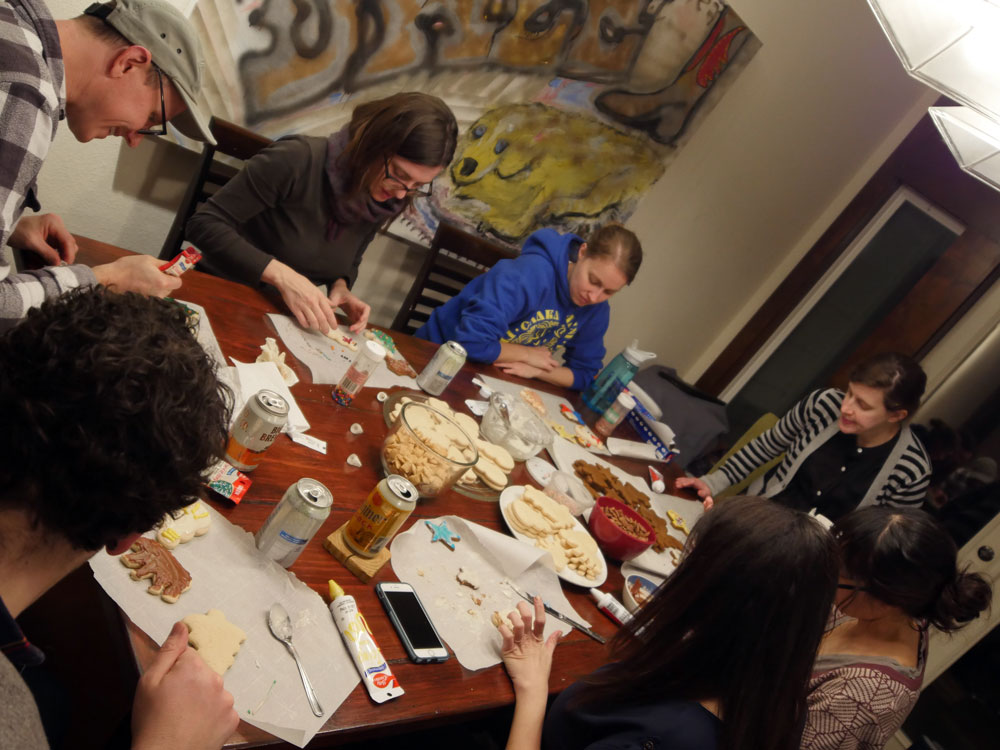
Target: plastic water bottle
x=613, y=378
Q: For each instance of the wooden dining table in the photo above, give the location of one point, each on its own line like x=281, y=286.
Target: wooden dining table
x=436, y=694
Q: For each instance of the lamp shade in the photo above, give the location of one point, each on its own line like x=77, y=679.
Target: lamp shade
x=951, y=45
x=973, y=139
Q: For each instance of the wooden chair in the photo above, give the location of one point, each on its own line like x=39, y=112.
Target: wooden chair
x=455, y=258
x=233, y=141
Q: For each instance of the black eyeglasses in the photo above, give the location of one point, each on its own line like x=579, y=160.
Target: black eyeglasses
x=424, y=190
x=851, y=587
x=163, y=111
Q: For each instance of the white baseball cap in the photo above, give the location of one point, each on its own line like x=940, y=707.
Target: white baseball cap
x=171, y=39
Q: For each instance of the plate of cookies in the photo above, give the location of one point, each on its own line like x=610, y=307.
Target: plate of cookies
x=671, y=517
x=537, y=519
x=489, y=476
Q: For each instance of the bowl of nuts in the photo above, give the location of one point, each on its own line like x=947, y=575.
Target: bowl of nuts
x=621, y=532
x=427, y=448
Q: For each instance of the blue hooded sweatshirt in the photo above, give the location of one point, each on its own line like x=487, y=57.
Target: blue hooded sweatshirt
x=526, y=300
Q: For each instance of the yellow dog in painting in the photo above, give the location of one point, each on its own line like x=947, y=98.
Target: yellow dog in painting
x=523, y=166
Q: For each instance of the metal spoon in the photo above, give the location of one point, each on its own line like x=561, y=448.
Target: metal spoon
x=281, y=628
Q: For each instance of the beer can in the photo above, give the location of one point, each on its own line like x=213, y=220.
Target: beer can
x=260, y=422
x=294, y=521
x=378, y=519
x=444, y=365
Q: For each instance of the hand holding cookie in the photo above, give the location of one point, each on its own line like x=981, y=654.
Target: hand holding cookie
x=180, y=702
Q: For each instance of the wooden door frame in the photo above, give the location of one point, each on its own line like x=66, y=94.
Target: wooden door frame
x=922, y=163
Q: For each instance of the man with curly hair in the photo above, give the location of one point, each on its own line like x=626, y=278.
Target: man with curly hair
x=112, y=411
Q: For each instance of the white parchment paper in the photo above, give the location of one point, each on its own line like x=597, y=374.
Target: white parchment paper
x=493, y=558
x=229, y=574
x=328, y=360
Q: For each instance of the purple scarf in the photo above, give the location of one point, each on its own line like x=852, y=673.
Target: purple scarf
x=351, y=209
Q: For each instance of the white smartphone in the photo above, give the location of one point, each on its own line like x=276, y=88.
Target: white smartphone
x=415, y=629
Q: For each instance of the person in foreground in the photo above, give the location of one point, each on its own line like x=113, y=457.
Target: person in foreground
x=554, y=295
x=111, y=413
x=898, y=578
x=842, y=449
x=302, y=212
x=718, y=658
x=123, y=68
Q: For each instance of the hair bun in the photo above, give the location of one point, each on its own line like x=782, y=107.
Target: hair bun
x=961, y=600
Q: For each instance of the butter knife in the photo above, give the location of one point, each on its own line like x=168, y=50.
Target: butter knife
x=559, y=615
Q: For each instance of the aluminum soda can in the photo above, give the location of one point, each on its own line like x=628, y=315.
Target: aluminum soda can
x=258, y=424
x=444, y=365
x=294, y=521
x=378, y=519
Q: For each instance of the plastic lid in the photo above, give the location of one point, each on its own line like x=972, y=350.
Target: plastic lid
x=374, y=350
x=335, y=590
x=635, y=355
x=626, y=401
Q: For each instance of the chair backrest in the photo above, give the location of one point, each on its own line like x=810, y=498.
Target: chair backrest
x=233, y=141
x=455, y=258
x=762, y=425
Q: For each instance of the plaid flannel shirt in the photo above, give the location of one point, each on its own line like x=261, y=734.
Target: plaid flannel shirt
x=32, y=101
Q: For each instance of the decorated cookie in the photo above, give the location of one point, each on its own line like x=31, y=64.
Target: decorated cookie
x=150, y=559
x=441, y=533
x=216, y=640
x=532, y=399
x=570, y=414
x=342, y=338
x=193, y=521
x=586, y=437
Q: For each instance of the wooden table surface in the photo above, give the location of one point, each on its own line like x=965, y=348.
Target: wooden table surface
x=435, y=693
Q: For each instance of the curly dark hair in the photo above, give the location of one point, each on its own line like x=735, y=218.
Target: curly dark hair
x=111, y=410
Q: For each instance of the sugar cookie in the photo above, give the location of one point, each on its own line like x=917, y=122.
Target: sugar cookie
x=193, y=521
x=216, y=640
x=150, y=559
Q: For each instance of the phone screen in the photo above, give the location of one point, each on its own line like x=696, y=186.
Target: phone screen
x=418, y=628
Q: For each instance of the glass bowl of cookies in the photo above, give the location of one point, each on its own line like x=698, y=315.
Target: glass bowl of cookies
x=428, y=448
x=515, y=426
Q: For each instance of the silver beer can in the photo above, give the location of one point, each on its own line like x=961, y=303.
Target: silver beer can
x=294, y=521
x=444, y=365
x=258, y=424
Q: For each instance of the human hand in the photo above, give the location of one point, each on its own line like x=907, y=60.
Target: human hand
x=526, y=655
x=137, y=273
x=340, y=296
x=536, y=356
x=304, y=299
x=520, y=369
x=180, y=702
x=699, y=486
x=45, y=235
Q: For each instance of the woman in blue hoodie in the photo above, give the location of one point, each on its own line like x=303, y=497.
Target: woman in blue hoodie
x=554, y=295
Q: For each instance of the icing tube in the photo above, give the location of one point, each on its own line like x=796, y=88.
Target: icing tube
x=381, y=683
x=611, y=607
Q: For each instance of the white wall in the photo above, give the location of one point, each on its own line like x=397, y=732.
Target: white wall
x=820, y=106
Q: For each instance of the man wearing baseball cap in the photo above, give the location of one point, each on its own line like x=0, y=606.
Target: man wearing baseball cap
x=123, y=68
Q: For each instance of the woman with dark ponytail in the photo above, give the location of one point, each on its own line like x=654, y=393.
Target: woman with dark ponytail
x=899, y=576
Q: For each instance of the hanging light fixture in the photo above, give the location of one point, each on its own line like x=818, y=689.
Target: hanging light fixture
x=954, y=47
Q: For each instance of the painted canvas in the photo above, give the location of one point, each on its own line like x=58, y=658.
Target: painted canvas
x=569, y=109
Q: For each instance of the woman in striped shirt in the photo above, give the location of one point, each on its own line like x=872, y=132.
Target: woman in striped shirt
x=842, y=450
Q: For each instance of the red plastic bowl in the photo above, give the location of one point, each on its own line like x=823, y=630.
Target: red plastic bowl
x=613, y=540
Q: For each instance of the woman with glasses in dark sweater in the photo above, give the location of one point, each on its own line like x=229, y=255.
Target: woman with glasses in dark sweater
x=302, y=211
